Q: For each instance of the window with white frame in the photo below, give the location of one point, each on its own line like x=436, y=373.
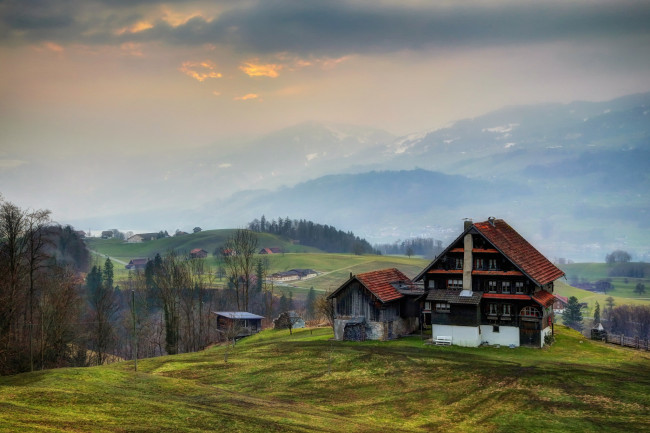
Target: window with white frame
x=507, y=309
x=442, y=307
x=427, y=305
x=479, y=264
x=431, y=284
x=529, y=312
x=492, y=286
x=505, y=287
x=454, y=284
x=492, y=264
x=493, y=309
x=519, y=287
x=458, y=263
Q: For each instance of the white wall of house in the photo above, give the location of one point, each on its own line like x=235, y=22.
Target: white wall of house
x=467, y=336
x=506, y=336
x=546, y=331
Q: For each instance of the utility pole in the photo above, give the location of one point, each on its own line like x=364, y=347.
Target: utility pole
x=135, y=336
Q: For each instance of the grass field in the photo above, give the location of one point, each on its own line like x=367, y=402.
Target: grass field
x=208, y=240
x=333, y=269
x=623, y=288
x=304, y=383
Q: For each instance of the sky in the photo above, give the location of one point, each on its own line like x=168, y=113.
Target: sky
x=91, y=89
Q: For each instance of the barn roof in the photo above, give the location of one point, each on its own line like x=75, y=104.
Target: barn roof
x=519, y=251
x=380, y=283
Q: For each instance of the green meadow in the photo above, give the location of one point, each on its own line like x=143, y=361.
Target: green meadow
x=307, y=383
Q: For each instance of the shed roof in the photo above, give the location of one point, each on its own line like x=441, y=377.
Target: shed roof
x=454, y=297
x=237, y=315
x=544, y=298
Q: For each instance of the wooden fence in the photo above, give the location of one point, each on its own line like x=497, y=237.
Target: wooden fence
x=622, y=340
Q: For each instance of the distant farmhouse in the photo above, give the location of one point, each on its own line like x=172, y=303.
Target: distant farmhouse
x=489, y=286
x=137, y=264
x=142, y=237
x=107, y=234
x=293, y=275
x=198, y=253
x=272, y=250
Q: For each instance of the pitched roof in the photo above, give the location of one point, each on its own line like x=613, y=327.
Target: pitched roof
x=197, y=250
x=519, y=251
x=379, y=283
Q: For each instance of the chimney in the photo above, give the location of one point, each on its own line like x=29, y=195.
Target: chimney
x=491, y=220
x=467, y=223
x=468, y=244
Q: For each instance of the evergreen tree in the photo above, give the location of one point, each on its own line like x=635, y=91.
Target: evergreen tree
x=108, y=274
x=291, y=305
x=573, y=314
x=260, y=274
x=284, y=304
x=310, y=303
x=639, y=289
x=597, y=313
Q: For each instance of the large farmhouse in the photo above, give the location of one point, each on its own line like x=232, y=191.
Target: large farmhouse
x=377, y=305
x=490, y=286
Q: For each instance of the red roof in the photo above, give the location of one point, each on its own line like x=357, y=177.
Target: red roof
x=506, y=296
x=379, y=283
x=562, y=299
x=519, y=251
x=544, y=298
x=197, y=250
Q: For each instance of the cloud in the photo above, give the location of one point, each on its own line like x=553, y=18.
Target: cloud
x=138, y=27
x=257, y=70
x=324, y=29
x=200, y=71
x=224, y=165
x=246, y=97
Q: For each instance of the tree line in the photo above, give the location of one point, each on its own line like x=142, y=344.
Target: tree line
x=426, y=247
x=60, y=308
x=324, y=237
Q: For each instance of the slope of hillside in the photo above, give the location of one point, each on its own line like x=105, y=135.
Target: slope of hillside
x=306, y=383
x=208, y=240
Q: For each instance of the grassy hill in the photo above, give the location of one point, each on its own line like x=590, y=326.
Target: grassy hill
x=306, y=383
x=623, y=287
x=209, y=240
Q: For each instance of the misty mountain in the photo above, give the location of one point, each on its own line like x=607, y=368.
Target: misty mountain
x=573, y=178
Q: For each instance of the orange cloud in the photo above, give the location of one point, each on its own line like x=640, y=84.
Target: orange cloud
x=254, y=70
x=176, y=19
x=247, y=97
x=200, y=71
x=140, y=26
x=53, y=47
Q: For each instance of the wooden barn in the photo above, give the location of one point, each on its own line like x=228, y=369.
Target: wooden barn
x=239, y=323
x=379, y=305
x=490, y=286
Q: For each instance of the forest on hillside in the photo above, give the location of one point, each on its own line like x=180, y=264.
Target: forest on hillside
x=324, y=237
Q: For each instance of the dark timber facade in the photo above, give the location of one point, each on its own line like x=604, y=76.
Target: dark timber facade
x=490, y=286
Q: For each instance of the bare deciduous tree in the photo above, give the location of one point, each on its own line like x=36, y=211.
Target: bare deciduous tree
x=238, y=256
